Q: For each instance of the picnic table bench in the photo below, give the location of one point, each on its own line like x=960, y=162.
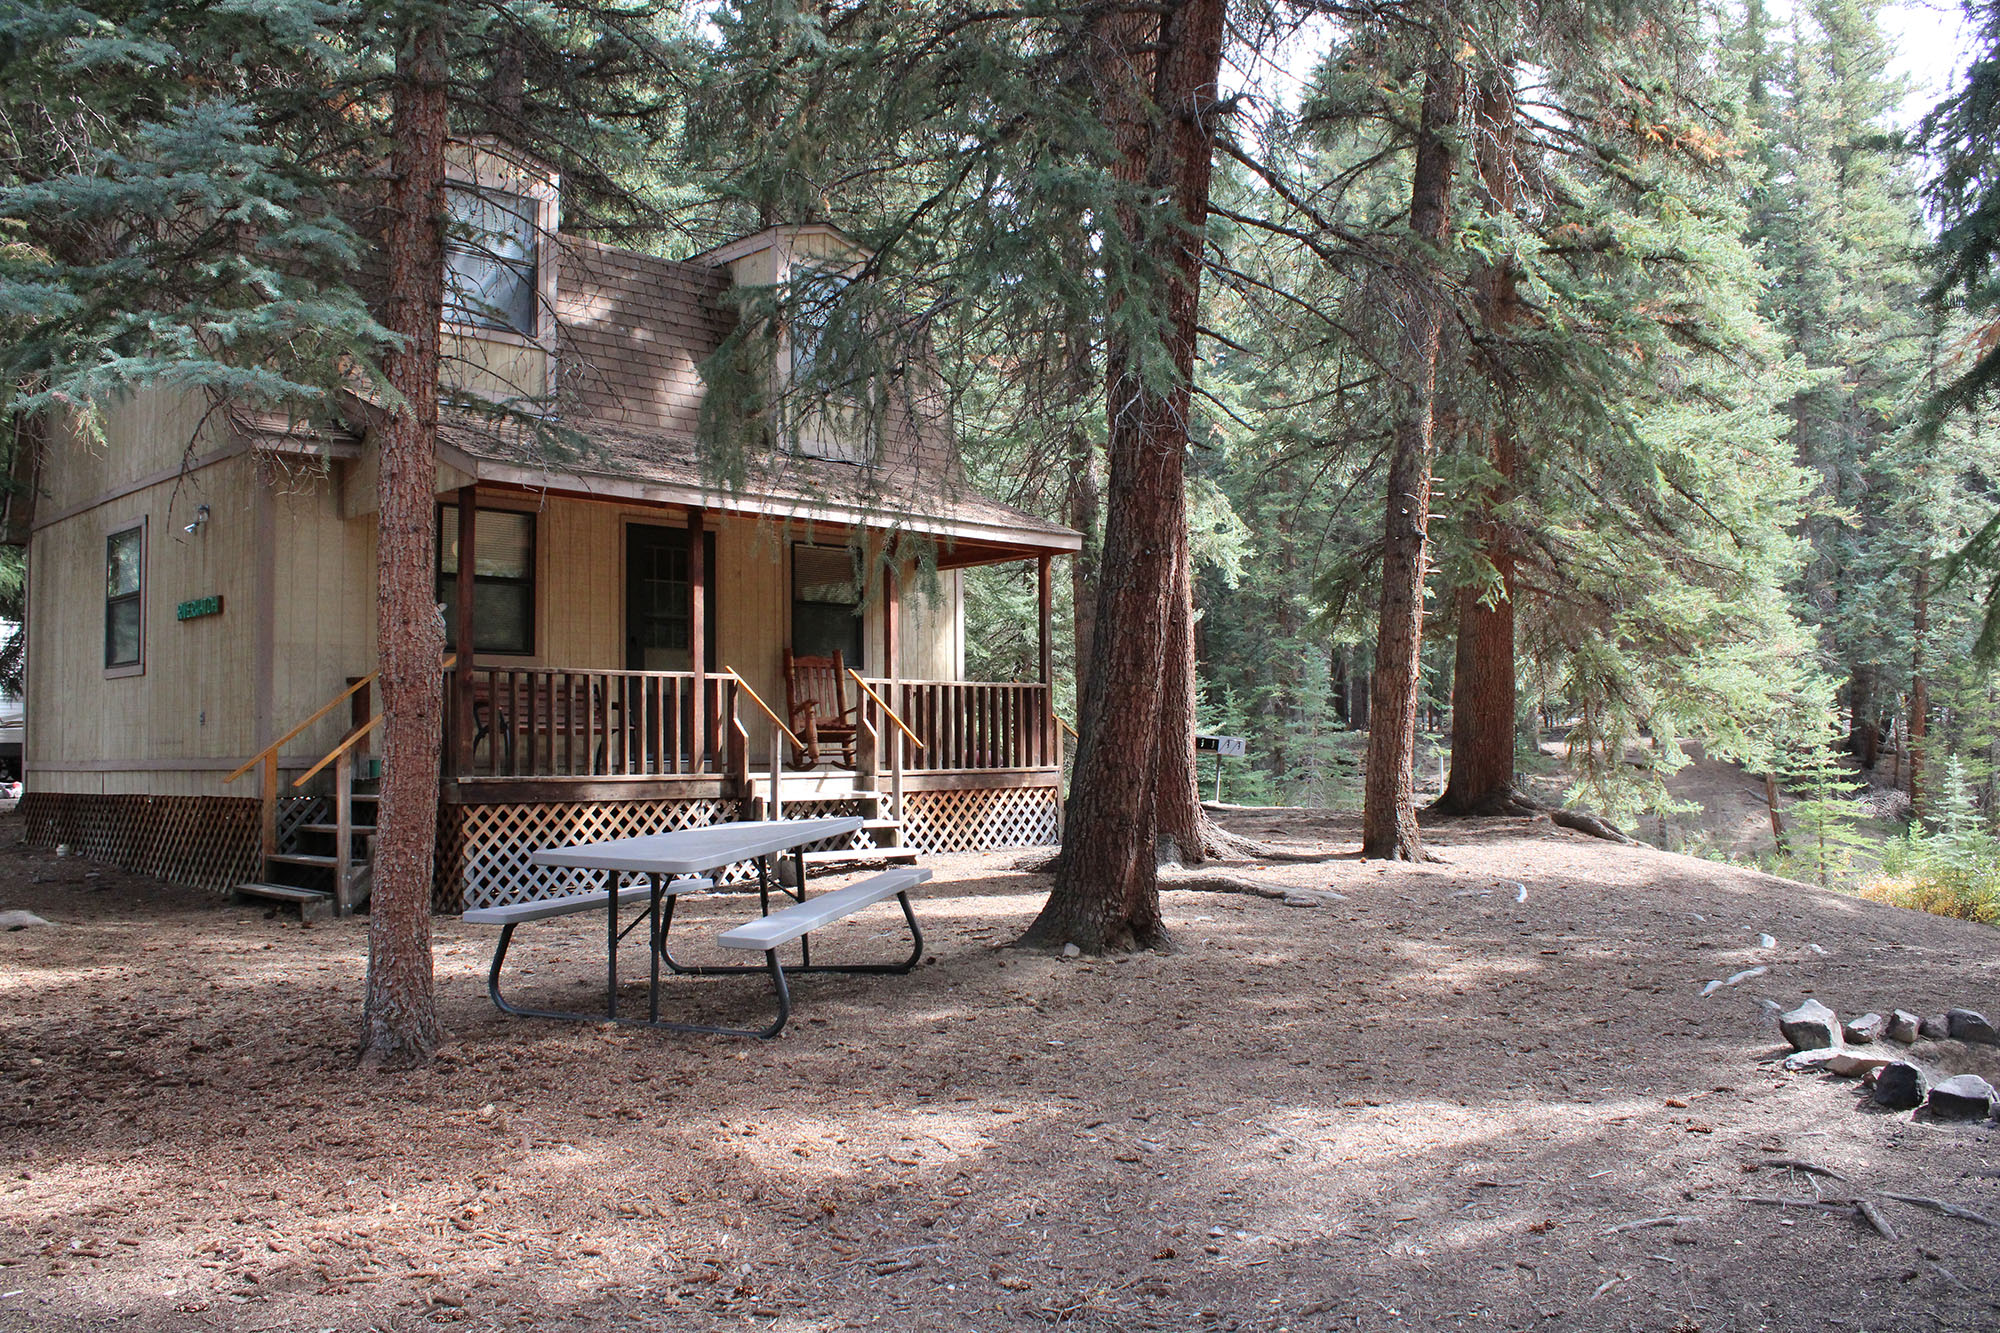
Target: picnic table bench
x=667, y=861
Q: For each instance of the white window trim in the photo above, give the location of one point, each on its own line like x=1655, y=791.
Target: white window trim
x=140, y=526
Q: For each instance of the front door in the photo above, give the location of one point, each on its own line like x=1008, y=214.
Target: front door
x=659, y=602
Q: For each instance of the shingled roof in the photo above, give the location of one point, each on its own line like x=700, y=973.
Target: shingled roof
x=633, y=328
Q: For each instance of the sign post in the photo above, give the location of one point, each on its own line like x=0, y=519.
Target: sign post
x=1219, y=746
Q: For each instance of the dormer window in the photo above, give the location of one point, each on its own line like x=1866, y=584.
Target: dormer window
x=491, y=251
x=829, y=432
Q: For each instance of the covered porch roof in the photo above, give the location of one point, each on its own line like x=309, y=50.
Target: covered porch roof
x=967, y=527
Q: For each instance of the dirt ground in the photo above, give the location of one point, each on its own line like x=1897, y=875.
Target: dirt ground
x=1425, y=1106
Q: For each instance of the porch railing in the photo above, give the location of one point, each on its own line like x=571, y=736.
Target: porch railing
x=555, y=722
x=551, y=722
x=967, y=726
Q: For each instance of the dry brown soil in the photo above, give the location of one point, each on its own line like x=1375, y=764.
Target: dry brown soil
x=1427, y=1106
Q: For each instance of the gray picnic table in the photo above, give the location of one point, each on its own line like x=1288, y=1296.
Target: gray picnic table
x=685, y=862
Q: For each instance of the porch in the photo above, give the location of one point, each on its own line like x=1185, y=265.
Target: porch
x=692, y=726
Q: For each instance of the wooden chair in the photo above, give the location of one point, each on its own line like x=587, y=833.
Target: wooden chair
x=816, y=704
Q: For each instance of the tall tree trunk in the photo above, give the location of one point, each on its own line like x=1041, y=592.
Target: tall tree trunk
x=1082, y=504
x=1184, y=829
x=1864, y=731
x=1920, y=691
x=1483, y=690
x=1106, y=892
x=400, y=1016
x=1389, y=816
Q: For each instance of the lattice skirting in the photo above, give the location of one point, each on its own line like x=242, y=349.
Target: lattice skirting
x=483, y=849
x=202, y=842
x=981, y=820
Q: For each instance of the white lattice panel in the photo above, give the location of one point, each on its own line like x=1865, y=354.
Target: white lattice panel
x=981, y=820
x=483, y=861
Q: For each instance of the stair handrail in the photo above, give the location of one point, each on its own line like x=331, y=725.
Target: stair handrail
x=762, y=707
x=345, y=745
x=1065, y=725
x=348, y=741
x=881, y=704
x=270, y=751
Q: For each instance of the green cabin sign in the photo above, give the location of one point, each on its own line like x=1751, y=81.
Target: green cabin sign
x=199, y=607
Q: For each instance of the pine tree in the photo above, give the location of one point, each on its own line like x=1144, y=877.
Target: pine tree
x=194, y=193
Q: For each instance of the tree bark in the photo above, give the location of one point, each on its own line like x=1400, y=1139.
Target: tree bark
x=1185, y=831
x=1864, y=730
x=1083, y=510
x=1483, y=692
x=1106, y=893
x=1920, y=692
x=400, y=1025
x=1389, y=817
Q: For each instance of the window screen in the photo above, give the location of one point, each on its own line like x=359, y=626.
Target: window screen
x=124, y=579
x=490, y=257
x=826, y=603
x=503, y=580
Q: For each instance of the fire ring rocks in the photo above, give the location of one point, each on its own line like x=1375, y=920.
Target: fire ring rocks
x=1898, y=1081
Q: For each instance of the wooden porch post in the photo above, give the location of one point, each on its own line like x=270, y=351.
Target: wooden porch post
x=462, y=724
x=1042, y=605
x=892, y=624
x=698, y=738
x=1045, y=661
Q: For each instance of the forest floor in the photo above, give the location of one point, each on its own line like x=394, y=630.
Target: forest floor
x=1429, y=1104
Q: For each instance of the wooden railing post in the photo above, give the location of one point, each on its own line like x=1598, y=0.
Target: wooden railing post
x=896, y=759
x=739, y=736
x=269, y=836
x=343, y=833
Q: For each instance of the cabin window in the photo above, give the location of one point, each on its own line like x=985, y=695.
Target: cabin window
x=503, y=580
x=490, y=260
x=124, y=585
x=826, y=603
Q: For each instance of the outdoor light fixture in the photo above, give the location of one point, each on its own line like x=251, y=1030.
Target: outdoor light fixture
x=199, y=521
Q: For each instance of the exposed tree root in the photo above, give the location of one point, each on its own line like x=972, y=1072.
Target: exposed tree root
x=1493, y=805
x=1514, y=803
x=1211, y=882
x=1591, y=824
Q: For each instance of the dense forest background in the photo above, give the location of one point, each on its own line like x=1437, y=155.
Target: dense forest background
x=1660, y=332
x=1737, y=522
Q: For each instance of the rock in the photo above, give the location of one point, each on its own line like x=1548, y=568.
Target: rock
x=1970, y=1025
x=1965, y=1097
x=1933, y=1027
x=1810, y=1026
x=1864, y=1029
x=1903, y=1026
x=19, y=920
x=1902, y=1086
x=1299, y=900
x=1071, y=951
x=1854, y=1064
x=1836, y=1060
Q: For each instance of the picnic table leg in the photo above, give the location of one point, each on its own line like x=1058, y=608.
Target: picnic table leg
x=805, y=941
x=611, y=945
x=653, y=987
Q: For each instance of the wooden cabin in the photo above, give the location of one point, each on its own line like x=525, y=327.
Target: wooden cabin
x=201, y=583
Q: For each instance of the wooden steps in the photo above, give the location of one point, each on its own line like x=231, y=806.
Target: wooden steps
x=863, y=855
x=307, y=876
x=313, y=904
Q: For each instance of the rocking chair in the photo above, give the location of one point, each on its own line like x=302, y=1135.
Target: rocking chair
x=816, y=701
